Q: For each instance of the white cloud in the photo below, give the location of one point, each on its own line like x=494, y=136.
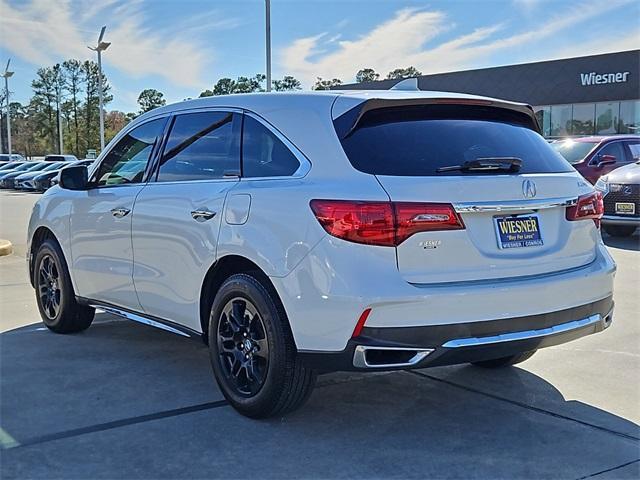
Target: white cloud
x=408, y=39
x=44, y=32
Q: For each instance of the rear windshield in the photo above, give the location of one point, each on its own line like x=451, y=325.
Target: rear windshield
x=418, y=140
x=574, y=152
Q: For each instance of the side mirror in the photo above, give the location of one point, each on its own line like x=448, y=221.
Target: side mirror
x=74, y=178
x=606, y=160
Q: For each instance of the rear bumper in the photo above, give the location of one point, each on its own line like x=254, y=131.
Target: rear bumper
x=429, y=346
x=620, y=220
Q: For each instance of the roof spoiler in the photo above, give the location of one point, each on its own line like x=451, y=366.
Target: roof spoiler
x=348, y=122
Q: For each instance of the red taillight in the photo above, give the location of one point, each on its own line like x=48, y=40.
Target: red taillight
x=423, y=217
x=383, y=223
x=589, y=206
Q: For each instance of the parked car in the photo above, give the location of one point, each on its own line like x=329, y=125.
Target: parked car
x=324, y=231
x=597, y=156
x=10, y=174
x=621, y=190
x=60, y=158
x=44, y=181
x=15, y=157
x=5, y=167
x=25, y=180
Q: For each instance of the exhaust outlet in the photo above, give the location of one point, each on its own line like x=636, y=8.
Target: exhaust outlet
x=388, y=357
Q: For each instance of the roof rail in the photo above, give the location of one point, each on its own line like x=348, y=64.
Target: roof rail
x=409, y=84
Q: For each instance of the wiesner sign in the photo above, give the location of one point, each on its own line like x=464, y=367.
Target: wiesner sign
x=594, y=78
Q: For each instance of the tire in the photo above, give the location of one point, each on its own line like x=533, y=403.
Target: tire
x=619, y=230
x=505, y=361
x=56, y=300
x=252, y=351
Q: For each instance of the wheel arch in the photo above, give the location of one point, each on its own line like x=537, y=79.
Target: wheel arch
x=40, y=235
x=222, y=269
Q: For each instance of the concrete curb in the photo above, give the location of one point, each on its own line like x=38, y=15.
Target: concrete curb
x=5, y=248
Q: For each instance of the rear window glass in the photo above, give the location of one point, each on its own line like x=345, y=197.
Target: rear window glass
x=419, y=140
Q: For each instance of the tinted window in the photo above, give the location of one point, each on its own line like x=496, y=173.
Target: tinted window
x=263, y=154
x=201, y=146
x=416, y=141
x=614, y=148
x=127, y=160
x=574, y=152
x=634, y=148
x=54, y=158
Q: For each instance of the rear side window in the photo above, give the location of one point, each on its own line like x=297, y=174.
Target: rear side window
x=419, y=140
x=264, y=154
x=202, y=146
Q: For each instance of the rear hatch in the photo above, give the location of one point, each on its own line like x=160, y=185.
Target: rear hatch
x=508, y=192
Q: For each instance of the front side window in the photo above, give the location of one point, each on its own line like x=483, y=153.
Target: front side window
x=127, y=160
x=201, y=146
x=614, y=149
x=264, y=154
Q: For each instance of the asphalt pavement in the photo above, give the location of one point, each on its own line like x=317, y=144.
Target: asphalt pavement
x=124, y=400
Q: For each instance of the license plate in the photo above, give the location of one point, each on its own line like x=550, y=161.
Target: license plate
x=518, y=232
x=626, y=207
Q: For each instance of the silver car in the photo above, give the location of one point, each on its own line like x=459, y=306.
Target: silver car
x=621, y=190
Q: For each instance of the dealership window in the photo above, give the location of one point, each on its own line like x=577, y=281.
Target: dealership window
x=629, y=117
x=560, y=120
x=583, y=119
x=607, y=115
x=544, y=119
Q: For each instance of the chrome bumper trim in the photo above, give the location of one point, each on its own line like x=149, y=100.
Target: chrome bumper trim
x=360, y=357
x=514, y=205
x=523, y=335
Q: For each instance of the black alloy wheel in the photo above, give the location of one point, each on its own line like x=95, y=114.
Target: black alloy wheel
x=242, y=346
x=252, y=350
x=49, y=287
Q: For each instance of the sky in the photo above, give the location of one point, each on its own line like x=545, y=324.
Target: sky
x=184, y=47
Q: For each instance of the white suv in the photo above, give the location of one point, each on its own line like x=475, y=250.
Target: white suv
x=311, y=232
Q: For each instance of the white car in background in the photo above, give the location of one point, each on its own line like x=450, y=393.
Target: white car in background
x=310, y=232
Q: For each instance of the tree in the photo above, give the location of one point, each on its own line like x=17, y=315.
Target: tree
x=367, y=75
x=59, y=81
x=91, y=107
x=42, y=102
x=114, y=121
x=326, y=84
x=73, y=74
x=149, y=99
x=288, y=83
x=224, y=86
x=400, y=73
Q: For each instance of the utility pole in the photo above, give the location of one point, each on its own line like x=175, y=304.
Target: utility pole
x=268, y=41
x=100, y=47
x=7, y=75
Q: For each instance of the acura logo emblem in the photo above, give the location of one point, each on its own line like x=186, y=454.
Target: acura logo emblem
x=529, y=189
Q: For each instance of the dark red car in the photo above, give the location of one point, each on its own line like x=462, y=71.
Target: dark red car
x=597, y=156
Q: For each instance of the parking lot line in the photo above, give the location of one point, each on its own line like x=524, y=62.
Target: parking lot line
x=111, y=425
x=7, y=441
x=524, y=405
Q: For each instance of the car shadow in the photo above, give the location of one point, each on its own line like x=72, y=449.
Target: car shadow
x=428, y=423
x=631, y=242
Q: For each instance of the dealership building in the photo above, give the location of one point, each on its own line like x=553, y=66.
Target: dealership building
x=597, y=94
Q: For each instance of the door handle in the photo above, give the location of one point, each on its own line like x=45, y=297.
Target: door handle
x=120, y=212
x=202, y=215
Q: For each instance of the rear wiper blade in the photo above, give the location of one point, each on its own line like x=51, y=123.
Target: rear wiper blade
x=486, y=164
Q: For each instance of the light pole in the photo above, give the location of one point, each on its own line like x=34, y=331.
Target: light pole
x=7, y=74
x=100, y=47
x=268, y=41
